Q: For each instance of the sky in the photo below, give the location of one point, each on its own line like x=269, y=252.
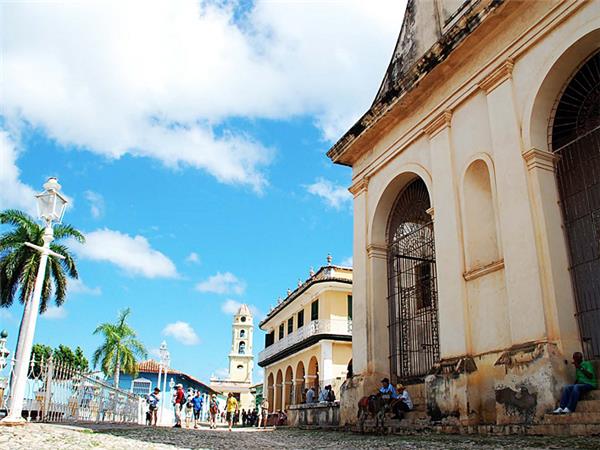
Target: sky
x=190, y=137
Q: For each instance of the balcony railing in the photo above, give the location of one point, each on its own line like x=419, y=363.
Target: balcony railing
x=327, y=326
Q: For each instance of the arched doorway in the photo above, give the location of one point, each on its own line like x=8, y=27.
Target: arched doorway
x=575, y=134
x=288, y=388
x=412, y=289
x=313, y=374
x=299, y=383
x=271, y=392
x=278, y=391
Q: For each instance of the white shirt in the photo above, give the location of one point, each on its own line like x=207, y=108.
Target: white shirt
x=405, y=397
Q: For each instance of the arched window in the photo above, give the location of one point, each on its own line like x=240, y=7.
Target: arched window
x=242, y=348
x=413, y=316
x=480, y=217
x=242, y=333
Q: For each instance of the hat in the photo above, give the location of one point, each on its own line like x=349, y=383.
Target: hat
x=385, y=380
x=157, y=389
x=179, y=385
x=399, y=386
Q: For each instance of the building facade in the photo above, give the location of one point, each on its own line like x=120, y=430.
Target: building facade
x=308, y=339
x=477, y=208
x=241, y=360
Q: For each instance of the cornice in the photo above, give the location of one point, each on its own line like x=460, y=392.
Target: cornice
x=539, y=159
x=498, y=76
x=362, y=185
x=439, y=123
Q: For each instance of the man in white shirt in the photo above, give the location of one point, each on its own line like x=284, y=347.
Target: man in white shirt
x=403, y=403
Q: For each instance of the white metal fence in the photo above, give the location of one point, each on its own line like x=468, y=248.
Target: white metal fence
x=56, y=392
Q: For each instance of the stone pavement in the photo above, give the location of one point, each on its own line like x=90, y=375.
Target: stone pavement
x=54, y=437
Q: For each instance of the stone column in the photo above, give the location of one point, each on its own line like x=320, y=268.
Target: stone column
x=556, y=282
x=326, y=361
x=452, y=312
x=379, y=343
x=361, y=354
x=521, y=265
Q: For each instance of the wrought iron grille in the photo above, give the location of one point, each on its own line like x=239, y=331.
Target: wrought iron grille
x=412, y=288
x=576, y=139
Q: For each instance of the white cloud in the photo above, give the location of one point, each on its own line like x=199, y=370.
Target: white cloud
x=55, y=313
x=347, y=262
x=333, y=195
x=96, y=203
x=77, y=286
x=160, y=79
x=233, y=306
x=132, y=254
x=222, y=283
x=13, y=192
x=181, y=332
x=193, y=258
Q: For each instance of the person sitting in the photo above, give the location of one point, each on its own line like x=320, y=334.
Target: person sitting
x=389, y=392
x=585, y=380
x=404, y=402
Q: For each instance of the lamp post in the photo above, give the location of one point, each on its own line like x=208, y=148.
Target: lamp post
x=165, y=360
x=51, y=207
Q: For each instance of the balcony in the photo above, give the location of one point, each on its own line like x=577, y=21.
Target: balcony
x=337, y=327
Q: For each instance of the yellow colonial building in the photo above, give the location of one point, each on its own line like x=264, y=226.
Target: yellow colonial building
x=476, y=183
x=308, y=339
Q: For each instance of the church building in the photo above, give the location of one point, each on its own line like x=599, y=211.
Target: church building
x=241, y=361
x=476, y=184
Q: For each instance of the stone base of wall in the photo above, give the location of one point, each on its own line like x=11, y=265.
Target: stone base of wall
x=516, y=386
x=315, y=415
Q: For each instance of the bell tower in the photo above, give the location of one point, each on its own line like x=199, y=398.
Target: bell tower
x=241, y=359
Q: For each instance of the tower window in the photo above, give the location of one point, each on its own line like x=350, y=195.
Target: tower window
x=240, y=366
x=243, y=318
x=242, y=333
x=242, y=348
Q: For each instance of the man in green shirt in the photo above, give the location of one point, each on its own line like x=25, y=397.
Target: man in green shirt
x=585, y=380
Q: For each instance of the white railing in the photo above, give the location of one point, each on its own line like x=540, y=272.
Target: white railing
x=56, y=392
x=327, y=326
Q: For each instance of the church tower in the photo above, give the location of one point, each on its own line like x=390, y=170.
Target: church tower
x=241, y=359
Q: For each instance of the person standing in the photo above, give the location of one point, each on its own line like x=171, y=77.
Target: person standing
x=264, y=412
x=244, y=417
x=152, y=400
x=213, y=409
x=197, y=402
x=585, y=380
x=178, y=404
x=232, y=409
x=324, y=394
x=189, y=407
x=310, y=395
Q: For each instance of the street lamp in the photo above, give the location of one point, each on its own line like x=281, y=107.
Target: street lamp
x=165, y=360
x=51, y=206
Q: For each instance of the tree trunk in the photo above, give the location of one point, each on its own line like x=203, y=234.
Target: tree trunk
x=117, y=371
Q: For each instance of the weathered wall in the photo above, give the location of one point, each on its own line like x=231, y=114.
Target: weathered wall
x=319, y=415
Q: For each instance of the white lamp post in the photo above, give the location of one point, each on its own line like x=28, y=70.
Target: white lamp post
x=51, y=207
x=165, y=360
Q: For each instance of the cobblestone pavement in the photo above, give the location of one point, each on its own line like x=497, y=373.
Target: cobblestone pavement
x=51, y=436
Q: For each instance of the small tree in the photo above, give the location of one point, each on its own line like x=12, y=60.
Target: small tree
x=120, y=347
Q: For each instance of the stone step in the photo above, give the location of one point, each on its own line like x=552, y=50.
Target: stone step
x=573, y=418
x=592, y=395
x=588, y=406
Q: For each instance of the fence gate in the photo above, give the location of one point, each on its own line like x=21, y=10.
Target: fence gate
x=576, y=140
x=412, y=289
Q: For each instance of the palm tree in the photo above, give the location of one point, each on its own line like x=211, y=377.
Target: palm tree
x=118, y=352
x=19, y=263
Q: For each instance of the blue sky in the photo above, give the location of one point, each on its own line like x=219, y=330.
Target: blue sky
x=191, y=138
